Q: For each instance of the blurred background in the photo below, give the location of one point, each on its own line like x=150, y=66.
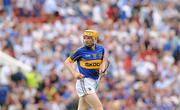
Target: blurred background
x=142, y=38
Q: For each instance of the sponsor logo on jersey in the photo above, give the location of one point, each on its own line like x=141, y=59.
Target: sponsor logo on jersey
x=90, y=64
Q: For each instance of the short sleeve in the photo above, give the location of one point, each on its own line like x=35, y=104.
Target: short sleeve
x=75, y=56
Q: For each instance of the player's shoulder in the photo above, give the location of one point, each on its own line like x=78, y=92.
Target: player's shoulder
x=98, y=46
x=80, y=49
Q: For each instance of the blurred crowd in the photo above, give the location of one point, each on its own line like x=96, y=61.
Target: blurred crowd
x=142, y=38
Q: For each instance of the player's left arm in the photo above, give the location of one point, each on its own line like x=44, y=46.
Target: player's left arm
x=104, y=62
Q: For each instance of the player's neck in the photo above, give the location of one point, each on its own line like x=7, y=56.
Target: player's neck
x=92, y=47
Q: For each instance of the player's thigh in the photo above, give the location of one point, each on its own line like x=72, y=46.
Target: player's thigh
x=82, y=104
x=93, y=100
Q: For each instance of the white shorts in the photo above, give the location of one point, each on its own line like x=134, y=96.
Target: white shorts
x=86, y=86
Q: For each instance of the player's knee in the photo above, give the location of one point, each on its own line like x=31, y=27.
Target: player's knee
x=99, y=107
x=82, y=108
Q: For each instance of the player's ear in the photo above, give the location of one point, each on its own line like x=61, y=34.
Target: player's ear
x=95, y=41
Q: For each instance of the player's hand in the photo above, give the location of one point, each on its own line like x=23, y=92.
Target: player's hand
x=77, y=75
x=101, y=73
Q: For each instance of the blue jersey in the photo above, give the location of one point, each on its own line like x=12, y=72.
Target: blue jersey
x=88, y=60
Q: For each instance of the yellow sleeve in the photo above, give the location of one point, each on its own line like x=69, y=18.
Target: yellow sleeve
x=70, y=60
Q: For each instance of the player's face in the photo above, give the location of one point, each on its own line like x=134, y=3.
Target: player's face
x=88, y=41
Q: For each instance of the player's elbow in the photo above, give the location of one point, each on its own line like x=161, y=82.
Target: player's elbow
x=66, y=62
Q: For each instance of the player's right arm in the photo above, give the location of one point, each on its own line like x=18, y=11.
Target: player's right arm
x=69, y=65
